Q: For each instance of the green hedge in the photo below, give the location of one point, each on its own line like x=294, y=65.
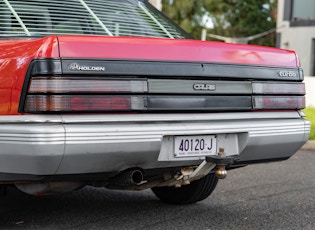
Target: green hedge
x=310, y=115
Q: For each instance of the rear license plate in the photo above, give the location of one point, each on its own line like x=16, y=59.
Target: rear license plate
x=188, y=146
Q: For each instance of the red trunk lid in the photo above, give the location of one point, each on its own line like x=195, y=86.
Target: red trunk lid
x=131, y=48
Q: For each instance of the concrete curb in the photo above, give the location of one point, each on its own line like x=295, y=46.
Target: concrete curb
x=310, y=145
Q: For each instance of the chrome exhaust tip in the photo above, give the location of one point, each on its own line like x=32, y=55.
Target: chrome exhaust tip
x=128, y=178
x=137, y=177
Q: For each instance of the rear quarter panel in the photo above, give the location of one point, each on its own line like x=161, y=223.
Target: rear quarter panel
x=15, y=57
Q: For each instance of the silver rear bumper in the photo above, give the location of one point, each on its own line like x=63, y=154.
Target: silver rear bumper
x=78, y=144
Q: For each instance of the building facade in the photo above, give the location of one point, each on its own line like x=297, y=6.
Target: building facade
x=296, y=30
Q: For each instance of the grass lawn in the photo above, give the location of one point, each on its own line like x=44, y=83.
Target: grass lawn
x=310, y=115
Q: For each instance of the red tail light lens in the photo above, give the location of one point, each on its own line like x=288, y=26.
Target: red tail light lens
x=273, y=102
x=100, y=103
x=82, y=103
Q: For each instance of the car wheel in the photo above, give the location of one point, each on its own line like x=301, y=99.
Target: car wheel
x=187, y=194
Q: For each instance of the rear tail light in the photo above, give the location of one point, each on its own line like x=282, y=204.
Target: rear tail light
x=78, y=85
x=278, y=88
x=84, y=95
x=81, y=103
x=275, y=95
x=105, y=94
x=283, y=102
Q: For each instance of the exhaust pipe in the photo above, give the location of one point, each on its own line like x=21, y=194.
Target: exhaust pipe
x=127, y=178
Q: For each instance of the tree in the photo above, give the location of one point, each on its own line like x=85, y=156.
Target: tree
x=187, y=14
x=231, y=18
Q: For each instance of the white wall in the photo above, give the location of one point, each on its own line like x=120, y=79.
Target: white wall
x=297, y=38
x=300, y=39
x=310, y=91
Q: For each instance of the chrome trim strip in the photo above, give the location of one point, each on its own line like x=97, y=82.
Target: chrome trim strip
x=105, y=118
x=120, y=133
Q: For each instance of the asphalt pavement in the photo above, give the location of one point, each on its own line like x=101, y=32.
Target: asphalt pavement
x=277, y=195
